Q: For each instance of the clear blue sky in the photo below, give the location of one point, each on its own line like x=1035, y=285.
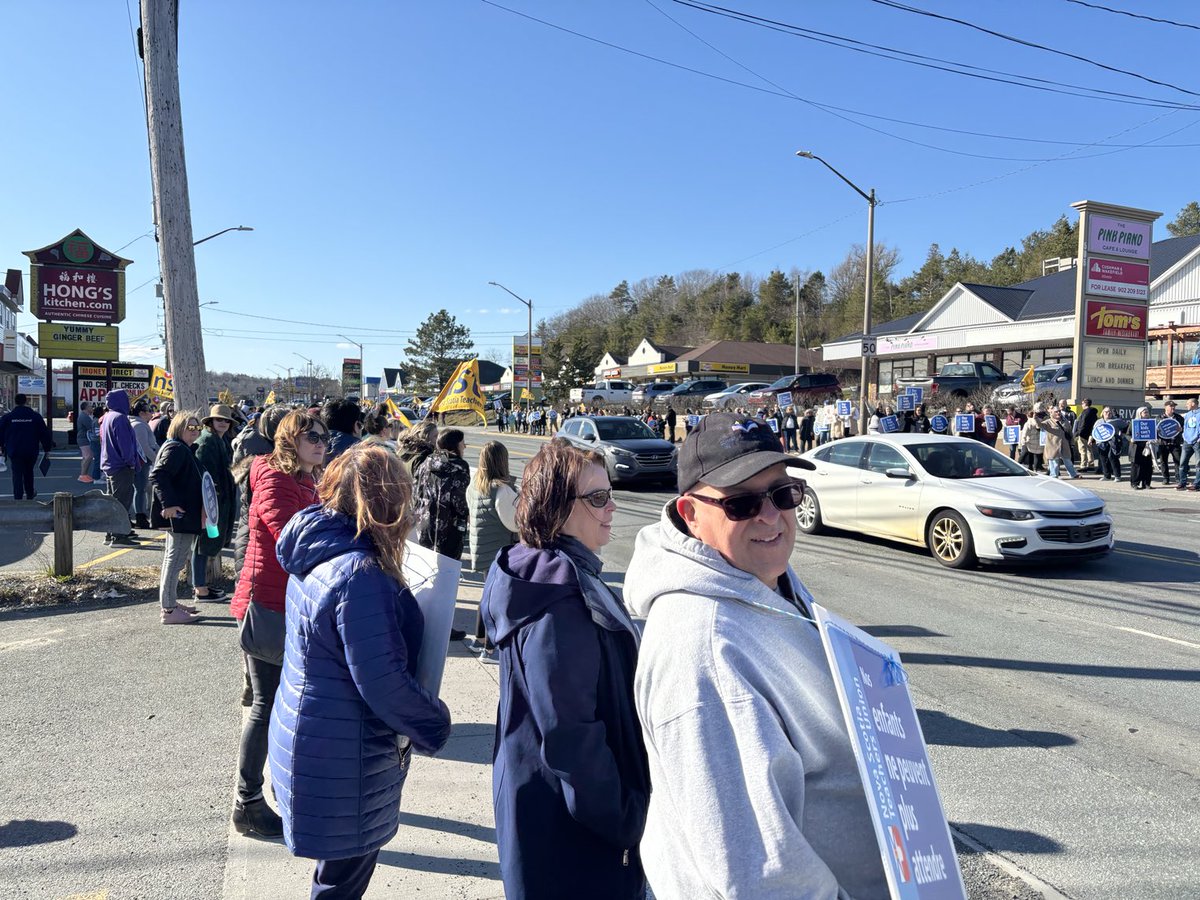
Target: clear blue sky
x=394, y=157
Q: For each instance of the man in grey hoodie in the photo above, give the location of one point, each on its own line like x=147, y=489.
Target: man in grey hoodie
x=754, y=786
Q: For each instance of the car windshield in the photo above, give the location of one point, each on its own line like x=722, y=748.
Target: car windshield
x=623, y=430
x=964, y=459
x=782, y=382
x=1043, y=375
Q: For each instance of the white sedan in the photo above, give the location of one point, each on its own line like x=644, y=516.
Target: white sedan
x=956, y=496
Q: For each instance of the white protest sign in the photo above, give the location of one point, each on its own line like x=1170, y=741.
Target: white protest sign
x=433, y=580
x=893, y=762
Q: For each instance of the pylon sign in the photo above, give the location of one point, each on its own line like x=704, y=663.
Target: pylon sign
x=77, y=280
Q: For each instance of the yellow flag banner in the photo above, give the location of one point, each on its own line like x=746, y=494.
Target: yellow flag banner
x=226, y=397
x=525, y=395
x=1027, y=381
x=395, y=413
x=462, y=391
x=162, y=385
x=269, y=400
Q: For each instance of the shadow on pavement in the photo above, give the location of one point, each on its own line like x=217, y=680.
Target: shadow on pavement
x=1015, y=839
x=28, y=832
x=466, y=829
x=1054, y=668
x=471, y=742
x=950, y=731
x=887, y=631
x=21, y=547
x=419, y=862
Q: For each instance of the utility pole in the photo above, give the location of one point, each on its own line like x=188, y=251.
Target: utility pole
x=528, y=339
x=159, y=45
x=797, y=366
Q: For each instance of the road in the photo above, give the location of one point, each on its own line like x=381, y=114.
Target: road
x=1055, y=701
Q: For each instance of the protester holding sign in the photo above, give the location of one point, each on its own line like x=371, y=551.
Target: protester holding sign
x=1169, y=447
x=177, y=506
x=1191, y=446
x=1056, y=443
x=215, y=457
x=1141, y=452
x=1108, y=440
x=807, y=432
x=1084, y=424
x=755, y=786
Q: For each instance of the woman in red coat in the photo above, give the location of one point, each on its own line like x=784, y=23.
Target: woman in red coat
x=281, y=483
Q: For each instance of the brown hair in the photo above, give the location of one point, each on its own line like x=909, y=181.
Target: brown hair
x=370, y=486
x=548, y=490
x=288, y=435
x=493, y=467
x=180, y=421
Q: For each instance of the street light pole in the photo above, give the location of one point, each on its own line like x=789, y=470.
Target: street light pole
x=528, y=341
x=362, y=383
x=309, y=377
x=221, y=232
x=870, y=285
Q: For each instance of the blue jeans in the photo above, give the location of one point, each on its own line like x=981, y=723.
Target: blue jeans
x=141, y=496
x=1063, y=460
x=199, y=569
x=95, y=473
x=1185, y=463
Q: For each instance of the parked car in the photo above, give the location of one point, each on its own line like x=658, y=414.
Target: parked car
x=955, y=379
x=631, y=450
x=648, y=393
x=690, y=392
x=607, y=392
x=1053, y=380
x=811, y=386
x=959, y=498
x=733, y=395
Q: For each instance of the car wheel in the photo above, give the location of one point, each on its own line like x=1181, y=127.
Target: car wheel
x=949, y=540
x=597, y=400
x=808, y=514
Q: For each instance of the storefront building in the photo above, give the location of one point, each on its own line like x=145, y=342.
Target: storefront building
x=1033, y=324
x=731, y=361
x=18, y=352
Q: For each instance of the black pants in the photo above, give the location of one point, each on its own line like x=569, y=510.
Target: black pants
x=1165, y=455
x=252, y=756
x=1110, y=461
x=22, y=476
x=343, y=879
x=1141, y=466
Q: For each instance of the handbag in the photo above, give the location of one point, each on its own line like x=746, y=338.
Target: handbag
x=262, y=633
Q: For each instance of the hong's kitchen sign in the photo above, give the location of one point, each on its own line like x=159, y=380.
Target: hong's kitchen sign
x=77, y=280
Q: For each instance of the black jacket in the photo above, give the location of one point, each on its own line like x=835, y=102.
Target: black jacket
x=1086, y=422
x=442, y=511
x=176, y=480
x=22, y=432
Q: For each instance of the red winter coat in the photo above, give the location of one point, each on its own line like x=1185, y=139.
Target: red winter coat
x=276, y=498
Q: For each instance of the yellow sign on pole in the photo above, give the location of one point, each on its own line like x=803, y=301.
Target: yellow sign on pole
x=269, y=400
x=226, y=397
x=58, y=340
x=162, y=386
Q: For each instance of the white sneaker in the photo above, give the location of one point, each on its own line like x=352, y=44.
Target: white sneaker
x=178, y=616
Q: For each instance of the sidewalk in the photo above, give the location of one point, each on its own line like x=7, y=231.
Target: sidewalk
x=446, y=846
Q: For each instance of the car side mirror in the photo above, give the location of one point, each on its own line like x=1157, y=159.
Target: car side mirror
x=1062, y=379
x=899, y=472
x=589, y=437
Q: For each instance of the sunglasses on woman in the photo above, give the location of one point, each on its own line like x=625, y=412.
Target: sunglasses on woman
x=596, y=499
x=316, y=437
x=740, y=507
x=194, y=427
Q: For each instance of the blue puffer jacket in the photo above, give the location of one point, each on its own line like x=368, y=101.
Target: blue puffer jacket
x=346, y=693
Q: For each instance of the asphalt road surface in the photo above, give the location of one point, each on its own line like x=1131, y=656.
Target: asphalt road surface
x=1059, y=705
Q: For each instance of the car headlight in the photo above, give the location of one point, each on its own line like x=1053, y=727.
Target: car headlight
x=617, y=451
x=1014, y=515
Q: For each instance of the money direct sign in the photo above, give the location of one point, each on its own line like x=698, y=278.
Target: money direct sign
x=91, y=381
x=893, y=763
x=351, y=376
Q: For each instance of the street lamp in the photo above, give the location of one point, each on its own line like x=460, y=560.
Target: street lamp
x=528, y=343
x=866, y=332
x=221, y=232
x=309, y=378
x=361, y=369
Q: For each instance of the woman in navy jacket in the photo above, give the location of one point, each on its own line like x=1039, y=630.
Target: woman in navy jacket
x=349, y=709
x=570, y=782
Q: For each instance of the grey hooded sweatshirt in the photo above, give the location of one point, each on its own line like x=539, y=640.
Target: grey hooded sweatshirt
x=754, y=788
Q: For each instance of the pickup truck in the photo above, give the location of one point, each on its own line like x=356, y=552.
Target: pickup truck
x=956, y=379
x=607, y=392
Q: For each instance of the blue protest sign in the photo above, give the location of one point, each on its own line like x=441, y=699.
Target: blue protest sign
x=1012, y=435
x=917, y=393
x=991, y=424
x=906, y=403
x=939, y=424
x=1102, y=433
x=693, y=421
x=1143, y=429
x=843, y=407
x=773, y=424
x=785, y=398
x=889, y=424
x=1168, y=429
x=964, y=423
x=893, y=763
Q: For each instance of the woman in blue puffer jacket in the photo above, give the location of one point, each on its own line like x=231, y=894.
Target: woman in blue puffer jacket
x=349, y=709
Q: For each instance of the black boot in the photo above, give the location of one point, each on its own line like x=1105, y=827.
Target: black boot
x=140, y=521
x=257, y=819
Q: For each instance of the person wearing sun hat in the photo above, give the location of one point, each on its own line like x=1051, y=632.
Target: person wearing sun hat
x=215, y=457
x=754, y=786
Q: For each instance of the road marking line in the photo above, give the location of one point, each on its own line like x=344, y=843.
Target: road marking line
x=1151, y=634
x=115, y=554
x=1174, y=559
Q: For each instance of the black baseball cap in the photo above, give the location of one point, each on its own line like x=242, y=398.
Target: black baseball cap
x=724, y=450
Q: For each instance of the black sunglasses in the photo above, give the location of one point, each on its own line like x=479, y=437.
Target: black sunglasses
x=740, y=507
x=316, y=437
x=596, y=499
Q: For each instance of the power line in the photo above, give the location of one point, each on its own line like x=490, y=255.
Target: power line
x=903, y=7
x=334, y=327
x=1133, y=15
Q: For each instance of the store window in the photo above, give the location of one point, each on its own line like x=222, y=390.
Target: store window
x=891, y=369
x=1187, y=350
x=1156, y=352
x=1056, y=356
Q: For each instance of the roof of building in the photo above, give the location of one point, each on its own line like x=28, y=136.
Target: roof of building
x=619, y=358
x=751, y=352
x=1045, y=297
x=670, y=350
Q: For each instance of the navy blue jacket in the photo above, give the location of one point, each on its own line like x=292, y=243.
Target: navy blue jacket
x=570, y=782
x=23, y=432
x=347, y=692
x=339, y=443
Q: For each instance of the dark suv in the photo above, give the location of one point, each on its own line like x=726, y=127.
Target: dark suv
x=691, y=392
x=813, y=386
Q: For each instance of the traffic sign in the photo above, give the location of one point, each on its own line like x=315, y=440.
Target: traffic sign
x=868, y=346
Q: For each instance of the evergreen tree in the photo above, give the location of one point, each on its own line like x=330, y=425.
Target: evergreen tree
x=440, y=345
x=1187, y=222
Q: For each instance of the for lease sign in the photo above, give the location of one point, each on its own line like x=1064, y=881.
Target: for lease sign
x=1118, y=278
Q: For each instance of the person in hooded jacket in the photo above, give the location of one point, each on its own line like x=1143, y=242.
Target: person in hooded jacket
x=570, y=785
x=441, y=498
x=349, y=708
x=282, y=483
x=177, y=505
x=416, y=445
x=120, y=459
